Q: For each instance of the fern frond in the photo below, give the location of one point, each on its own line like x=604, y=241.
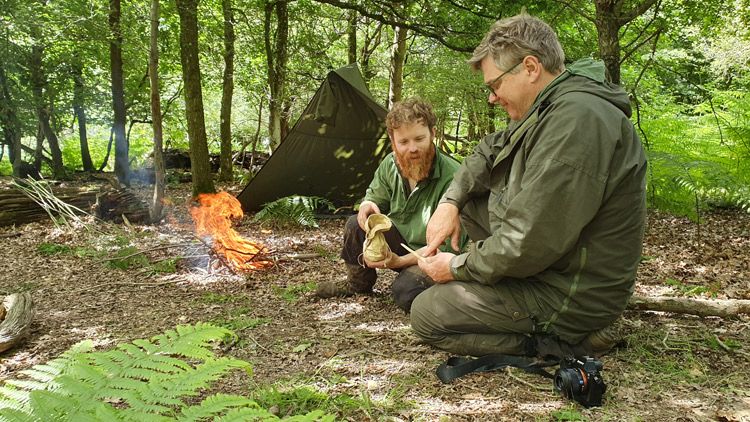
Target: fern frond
x=8, y=414
x=215, y=405
x=295, y=210
x=247, y=414
x=191, y=341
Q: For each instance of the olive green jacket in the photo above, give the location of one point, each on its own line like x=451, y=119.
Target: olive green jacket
x=566, y=187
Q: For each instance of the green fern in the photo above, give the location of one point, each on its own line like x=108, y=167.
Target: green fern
x=293, y=210
x=145, y=380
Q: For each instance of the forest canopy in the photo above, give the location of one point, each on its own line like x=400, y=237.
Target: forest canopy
x=74, y=78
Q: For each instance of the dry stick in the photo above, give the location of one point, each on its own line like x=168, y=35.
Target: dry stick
x=217, y=255
x=730, y=350
x=157, y=248
x=526, y=383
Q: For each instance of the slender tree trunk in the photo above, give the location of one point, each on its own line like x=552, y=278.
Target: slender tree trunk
x=80, y=112
x=276, y=57
x=607, y=29
x=11, y=125
x=122, y=164
x=191, y=74
x=38, y=86
x=39, y=149
x=225, y=158
x=398, y=58
x=153, y=74
x=370, y=43
x=351, y=31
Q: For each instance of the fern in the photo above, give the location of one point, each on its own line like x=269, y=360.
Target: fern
x=145, y=380
x=293, y=210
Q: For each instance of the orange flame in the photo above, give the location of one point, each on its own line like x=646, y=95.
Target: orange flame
x=213, y=218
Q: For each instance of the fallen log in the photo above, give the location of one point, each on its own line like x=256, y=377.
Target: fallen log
x=19, y=312
x=17, y=208
x=726, y=308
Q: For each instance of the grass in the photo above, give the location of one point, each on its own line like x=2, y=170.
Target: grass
x=294, y=293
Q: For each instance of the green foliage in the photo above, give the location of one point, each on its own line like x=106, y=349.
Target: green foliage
x=6, y=168
x=685, y=289
x=293, y=210
x=128, y=258
x=48, y=249
x=142, y=380
x=305, y=399
x=294, y=292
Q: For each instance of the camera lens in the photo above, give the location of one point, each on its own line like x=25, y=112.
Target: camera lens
x=569, y=382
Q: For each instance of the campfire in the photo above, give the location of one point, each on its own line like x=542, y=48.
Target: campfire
x=213, y=223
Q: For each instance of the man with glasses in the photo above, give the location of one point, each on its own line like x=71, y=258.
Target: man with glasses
x=555, y=205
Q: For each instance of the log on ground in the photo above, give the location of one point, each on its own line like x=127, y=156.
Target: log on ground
x=726, y=308
x=19, y=314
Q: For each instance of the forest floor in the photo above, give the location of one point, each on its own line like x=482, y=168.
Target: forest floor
x=670, y=368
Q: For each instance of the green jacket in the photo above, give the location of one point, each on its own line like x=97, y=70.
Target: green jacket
x=567, y=209
x=410, y=212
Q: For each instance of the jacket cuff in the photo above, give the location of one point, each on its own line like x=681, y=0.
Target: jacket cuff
x=458, y=267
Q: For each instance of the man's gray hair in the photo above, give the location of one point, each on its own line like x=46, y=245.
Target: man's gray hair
x=511, y=39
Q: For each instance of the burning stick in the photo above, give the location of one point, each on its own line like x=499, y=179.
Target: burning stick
x=213, y=219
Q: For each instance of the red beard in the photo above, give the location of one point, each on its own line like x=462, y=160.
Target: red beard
x=417, y=169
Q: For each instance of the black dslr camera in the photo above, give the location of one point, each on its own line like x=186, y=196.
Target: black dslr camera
x=581, y=381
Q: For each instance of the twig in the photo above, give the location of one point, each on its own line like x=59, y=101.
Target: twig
x=8, y=235
x=218, y=256
x=119, y=258
x=99, y=286
x=729, y=349
x=526, y=383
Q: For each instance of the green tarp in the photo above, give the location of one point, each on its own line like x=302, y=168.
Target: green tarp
x=331, y=152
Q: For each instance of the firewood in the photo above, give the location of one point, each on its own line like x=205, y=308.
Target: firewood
x=15, y=326
x=726, y=308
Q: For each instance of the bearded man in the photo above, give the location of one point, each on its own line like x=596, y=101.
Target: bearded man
x=407, y=187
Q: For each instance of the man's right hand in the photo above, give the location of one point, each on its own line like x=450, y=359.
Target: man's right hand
x=365, y=209
x=443, y=224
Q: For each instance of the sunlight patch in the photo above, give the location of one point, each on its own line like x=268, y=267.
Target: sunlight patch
x=339, y=310
x=382, y=326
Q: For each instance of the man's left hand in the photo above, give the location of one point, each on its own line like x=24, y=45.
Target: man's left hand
x=438, y=267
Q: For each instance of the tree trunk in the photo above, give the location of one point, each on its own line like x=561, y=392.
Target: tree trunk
x=38, y=86
x=351, y=32
x=682, y=305
x=608, y=32
x=191, y=74
x=153, y=74
x=276, y=57
x=225, y=158
x=370, y=44
x=80, y=112
x=122, y=164
x=398, y=58
x=11, y=125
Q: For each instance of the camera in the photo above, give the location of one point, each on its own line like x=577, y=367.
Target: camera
x=580, y=380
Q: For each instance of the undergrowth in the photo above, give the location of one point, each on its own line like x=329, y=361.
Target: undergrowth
x=146, y=380
x=293, y=211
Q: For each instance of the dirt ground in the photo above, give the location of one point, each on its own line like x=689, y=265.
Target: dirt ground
x=670, y=367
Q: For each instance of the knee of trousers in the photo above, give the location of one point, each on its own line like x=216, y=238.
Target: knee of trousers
x=423, y=321
x=409, y=283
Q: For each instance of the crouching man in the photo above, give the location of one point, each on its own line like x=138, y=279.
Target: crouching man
x=407, y=187
x=555, y=205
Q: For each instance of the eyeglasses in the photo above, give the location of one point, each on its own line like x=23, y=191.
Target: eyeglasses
x=494, y=84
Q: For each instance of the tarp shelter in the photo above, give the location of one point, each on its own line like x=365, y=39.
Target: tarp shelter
x=331, y=152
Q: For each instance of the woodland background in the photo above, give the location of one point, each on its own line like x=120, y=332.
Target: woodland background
x=74, y=76
x=225, y=77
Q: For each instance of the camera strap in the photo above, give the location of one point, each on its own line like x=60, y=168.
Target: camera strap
x=458, y=366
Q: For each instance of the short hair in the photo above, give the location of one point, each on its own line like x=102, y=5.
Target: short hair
x=511, y=39
x=412, y=110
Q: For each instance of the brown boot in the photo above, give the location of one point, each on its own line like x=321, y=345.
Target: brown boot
x=602, y=341
x=359, y=280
